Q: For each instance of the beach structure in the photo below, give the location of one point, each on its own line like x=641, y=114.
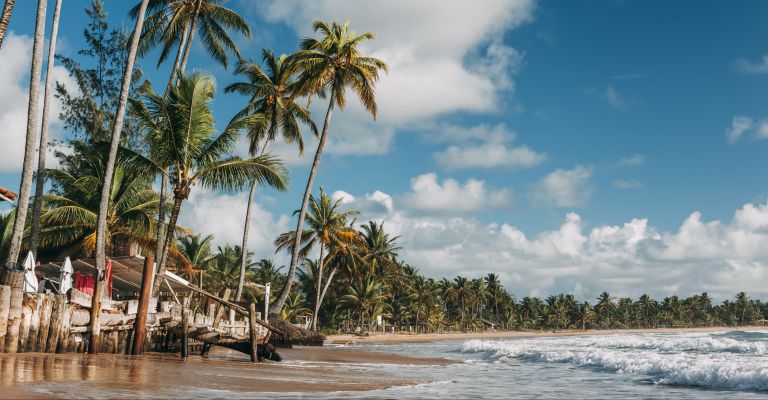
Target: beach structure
x=191, y=320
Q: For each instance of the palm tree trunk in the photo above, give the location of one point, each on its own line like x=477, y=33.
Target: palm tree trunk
x=278, y=305
x=188, y=47
x=244, y=256
x=319, y=286
x=40, y=179
x=106, y=187
x=169, y=235
x=325, y=289
x=177, y=61
x=31, y=139
x=5, y=19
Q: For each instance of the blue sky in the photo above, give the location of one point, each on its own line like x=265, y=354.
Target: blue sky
x=597, y=130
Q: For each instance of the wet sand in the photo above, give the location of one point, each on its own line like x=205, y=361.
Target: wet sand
x=225, y=374
x=383, y=338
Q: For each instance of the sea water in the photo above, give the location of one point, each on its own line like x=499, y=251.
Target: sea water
x=616, y=366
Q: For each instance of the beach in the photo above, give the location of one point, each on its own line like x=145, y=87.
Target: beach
x=374, y=365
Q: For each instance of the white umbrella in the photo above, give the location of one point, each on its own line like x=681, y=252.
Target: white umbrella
x=30, y=280
x=65, y=278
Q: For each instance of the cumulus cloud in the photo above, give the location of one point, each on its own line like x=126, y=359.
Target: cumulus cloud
x=626, y=259
x=483, y=146
x=742, y=126
x=564, y=188
x=451, y=197
x=16, y=54
x=748, y=67
x=223, y=215
x=443, y=57
x=632, y=161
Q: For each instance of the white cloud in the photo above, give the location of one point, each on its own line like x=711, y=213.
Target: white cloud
x=443, y=57
x=564, y=188
x=628, y=184
x=16, y=55
x=748, y=67
x=483, y=146
x=635, y=160
x=613, y=98
x=627, y=259
x=223, y=215
x=739, y=125
x=451, y=197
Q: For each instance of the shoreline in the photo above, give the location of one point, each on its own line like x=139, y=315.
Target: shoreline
x=402, y=338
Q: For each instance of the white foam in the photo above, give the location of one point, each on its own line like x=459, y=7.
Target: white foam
x=706, y=360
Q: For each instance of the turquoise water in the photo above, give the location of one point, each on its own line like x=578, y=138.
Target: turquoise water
x=621, y=366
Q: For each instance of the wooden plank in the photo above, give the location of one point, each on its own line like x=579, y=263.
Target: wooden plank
x=220, y=310
x=5, y=306
x=14, y=319
x=45, y=322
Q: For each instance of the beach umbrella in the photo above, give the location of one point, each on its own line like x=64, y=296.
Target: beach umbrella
x=65, y=278
x=30, y=280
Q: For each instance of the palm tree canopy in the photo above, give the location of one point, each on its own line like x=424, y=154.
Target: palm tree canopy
x=271, y=94
x=183, y=137
x=333, y=63
x=168, y=19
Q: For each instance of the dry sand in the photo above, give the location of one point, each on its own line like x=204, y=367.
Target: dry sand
x=383, y=338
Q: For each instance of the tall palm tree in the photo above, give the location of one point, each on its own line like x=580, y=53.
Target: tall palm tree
x=331, y=65
x=363, y=295
x=605, y=307
x=31, y=139
x=43, y=150
x=181, y=131
x=101, y=223
x=271, y=98
x=328, y=228
x=5, y=18
x=172, y=23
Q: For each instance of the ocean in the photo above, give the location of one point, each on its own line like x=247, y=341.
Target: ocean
x=615, y=366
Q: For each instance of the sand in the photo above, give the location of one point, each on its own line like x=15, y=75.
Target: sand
x=383, y=338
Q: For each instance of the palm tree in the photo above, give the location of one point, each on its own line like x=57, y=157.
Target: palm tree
x=31, y=139
x=5, y=19
x=43, y=150
x=363, y=294
x=169, y=25
x=330, y=65
x=605, y=306
x=101, y=223
x=196, y=249
x=328, y=228
x=182, y=134
x=265, y=271
x=271, y=98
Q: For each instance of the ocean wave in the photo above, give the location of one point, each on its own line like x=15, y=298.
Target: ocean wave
x=698, y=343
x=638, y=355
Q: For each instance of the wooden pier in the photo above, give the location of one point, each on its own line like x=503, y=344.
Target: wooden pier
x=60, y=323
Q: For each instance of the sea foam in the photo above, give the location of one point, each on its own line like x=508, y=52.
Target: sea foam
x=715, y=361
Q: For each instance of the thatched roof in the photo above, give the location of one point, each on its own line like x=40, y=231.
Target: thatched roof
x=7, y=195
x=290, y=334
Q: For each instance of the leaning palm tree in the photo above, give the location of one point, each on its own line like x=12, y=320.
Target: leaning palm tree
x=5, y=18
x=31, y=138
x=101, y=223
x=271, y=98
x=330, y=66
x=328, y=228
x=181, y=131
x=173, y=23
x=40, y=178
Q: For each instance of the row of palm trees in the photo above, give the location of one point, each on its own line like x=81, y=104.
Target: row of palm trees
x=179, y=140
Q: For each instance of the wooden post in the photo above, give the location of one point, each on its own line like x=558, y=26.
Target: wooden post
x=14, y=318
x=184, y=328
x=61, y=346
x=57, y=315
x=26, y=320
x=220, y=311
x=95, y=332
x=34, y=327
x=254, y=333
x=5, y=305
x=45, y=322
x=140, y=324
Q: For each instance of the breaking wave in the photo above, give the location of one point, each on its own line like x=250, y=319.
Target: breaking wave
x=732, y=361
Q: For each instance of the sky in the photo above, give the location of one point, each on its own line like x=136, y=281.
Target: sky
x=568, y=146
